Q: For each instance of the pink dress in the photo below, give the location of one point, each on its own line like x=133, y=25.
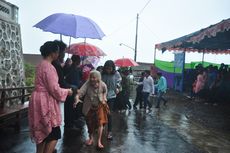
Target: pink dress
x=44, y=109
x=199, y=83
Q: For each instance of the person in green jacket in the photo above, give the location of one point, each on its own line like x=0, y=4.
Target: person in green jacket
x=161, y=87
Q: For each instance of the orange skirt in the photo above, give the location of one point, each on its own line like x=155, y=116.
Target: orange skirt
x=97, y=117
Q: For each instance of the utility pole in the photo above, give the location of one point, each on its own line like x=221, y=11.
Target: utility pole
x=135, y=50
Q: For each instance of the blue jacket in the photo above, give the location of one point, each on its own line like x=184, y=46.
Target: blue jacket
x=162, y=84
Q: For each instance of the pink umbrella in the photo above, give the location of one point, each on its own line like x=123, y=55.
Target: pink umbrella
x=84, y=49
x=125, y=62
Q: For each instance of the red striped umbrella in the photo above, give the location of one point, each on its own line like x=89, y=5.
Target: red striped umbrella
x=125, y=62
x=84, y=49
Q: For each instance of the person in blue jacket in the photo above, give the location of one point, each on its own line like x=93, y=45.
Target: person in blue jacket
x=161, y=87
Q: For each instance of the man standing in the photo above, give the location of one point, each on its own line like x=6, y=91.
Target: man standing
x=58, y=64
x=61, y=77
x=139, y=89
x=73, y=117
x=148, y=88
x=161, y=88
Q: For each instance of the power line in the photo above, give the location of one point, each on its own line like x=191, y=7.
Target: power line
x=135, y=51
x=147, y=27
x=120, y=27
x=144, y=7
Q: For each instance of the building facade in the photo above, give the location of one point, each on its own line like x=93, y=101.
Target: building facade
x=11, y=56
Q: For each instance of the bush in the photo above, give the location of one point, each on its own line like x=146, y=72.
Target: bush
x=29, y=74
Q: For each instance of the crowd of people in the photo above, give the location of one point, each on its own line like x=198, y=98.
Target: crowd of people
x=89, y=94
x=212, y=84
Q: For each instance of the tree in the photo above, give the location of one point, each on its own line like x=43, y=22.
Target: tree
x=29, y=74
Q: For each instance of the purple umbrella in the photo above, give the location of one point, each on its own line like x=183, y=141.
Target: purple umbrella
x=71, y=25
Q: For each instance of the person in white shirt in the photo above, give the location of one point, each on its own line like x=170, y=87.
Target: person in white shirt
x=148, y=88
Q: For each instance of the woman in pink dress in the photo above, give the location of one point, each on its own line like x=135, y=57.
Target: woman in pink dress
x=200, y=82
x=44, y=110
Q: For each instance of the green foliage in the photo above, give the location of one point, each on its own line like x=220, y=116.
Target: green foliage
x=29, y=74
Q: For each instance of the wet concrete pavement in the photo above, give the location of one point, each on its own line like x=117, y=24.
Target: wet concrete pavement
x=165, y=130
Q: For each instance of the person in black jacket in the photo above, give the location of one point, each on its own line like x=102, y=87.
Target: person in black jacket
x=74, y=79
x=60, y=71
x=58, y=64
x=139, y=88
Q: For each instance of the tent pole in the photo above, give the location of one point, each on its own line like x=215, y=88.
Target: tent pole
x=174, y=74
x=183, y=67
x=203, y=59
x=154, y=55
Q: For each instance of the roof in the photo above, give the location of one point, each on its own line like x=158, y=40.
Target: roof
x=33, y=59
x=142, y=66
x=213, y=39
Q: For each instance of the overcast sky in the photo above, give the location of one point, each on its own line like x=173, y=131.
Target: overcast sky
x=160, y=20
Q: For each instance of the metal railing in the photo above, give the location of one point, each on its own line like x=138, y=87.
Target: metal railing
x=21, y=97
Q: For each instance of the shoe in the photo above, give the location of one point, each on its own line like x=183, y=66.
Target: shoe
x=110, y=137
x=134, y=107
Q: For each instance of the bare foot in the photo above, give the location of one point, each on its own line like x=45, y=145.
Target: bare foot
x=89, y=142
x=100, y=146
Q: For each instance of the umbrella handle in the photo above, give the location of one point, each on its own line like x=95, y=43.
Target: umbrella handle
x=61, y=37
x=69, y=40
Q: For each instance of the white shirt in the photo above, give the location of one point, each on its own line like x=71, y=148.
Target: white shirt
x=148, y=85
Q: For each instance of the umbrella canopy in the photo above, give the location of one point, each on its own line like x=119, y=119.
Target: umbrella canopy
x=84, y=49
x=71, y=25
x=213, y=39
x=125, y=62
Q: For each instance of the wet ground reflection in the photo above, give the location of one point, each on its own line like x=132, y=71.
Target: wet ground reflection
x=205, y=139
x=139, y=131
